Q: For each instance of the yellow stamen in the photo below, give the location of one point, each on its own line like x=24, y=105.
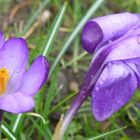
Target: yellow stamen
x=4, y=78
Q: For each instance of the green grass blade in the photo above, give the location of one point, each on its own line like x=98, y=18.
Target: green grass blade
x=90, y=12
x=16, y=123
x=80, y=56
x=107, y=133
x=6, y=130
x=54, y=28
x=37, y=115
x=62, y=102
x=77, y=17
x=34, y=16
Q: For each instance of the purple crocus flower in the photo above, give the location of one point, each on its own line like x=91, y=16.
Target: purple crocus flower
x=18, y=86
x=114, y=72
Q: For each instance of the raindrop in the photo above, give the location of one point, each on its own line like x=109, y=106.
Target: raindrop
x=11, y=55
x=97, y=111
x=82, y=95
x=97, y=88
x=17, y=71
x=110, y=41
x=138, y=39
x=136, y=27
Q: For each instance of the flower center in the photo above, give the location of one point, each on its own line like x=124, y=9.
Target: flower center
x=4, y=78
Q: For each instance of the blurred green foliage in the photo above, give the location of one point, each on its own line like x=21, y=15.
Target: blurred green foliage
x=56, y=96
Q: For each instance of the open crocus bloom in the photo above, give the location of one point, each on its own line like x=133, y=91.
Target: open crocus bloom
x=114, y=72
x=18, y=86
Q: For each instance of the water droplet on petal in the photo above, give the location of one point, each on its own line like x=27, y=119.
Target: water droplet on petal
x=110, y=41
x=11, y=55
x=17, y=71
x=136, y=27
x=138, y=39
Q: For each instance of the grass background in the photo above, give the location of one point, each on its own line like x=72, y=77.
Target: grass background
x=50, y=28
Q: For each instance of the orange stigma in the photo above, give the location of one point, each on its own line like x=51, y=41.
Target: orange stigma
x=4, y=78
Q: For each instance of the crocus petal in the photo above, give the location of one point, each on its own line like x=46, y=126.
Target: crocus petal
x=113, y=89
x=17, y=103
x=14, y=57
x=102, y=29
x=127, y=49
x=1, y=40
x=36, y=76
x=134, y=64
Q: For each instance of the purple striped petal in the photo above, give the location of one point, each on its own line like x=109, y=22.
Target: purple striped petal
x=134, y=64
x=113, y=89
x=14, y=57
x=36, y=76
x=17, y=103
x=126, y=49
x=102, y=29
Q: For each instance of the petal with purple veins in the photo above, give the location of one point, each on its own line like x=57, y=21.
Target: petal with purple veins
x=134, y=64
x=14, y=57
x=17, y=103
x=113, y=89
x=126, y=49
x=13, y=53
x=102, y=29
x=36, y=76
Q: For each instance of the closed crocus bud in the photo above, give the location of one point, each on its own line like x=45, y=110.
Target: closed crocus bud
x=114, y=72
